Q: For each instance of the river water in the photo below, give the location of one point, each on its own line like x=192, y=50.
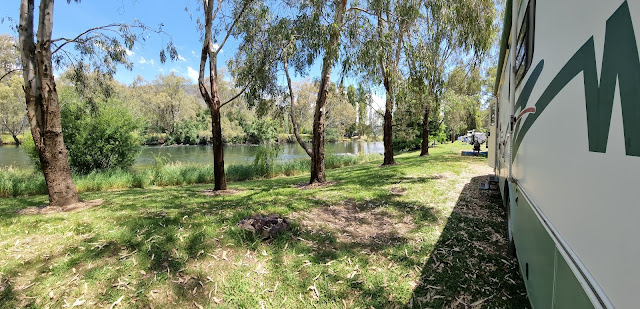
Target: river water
x=233, y=154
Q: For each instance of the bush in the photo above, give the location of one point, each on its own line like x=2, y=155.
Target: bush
x=265, y=159
x=332, y=135
x=407, y=145
x=100, y=138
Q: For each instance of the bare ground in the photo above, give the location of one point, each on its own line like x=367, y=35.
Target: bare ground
x=46, y=209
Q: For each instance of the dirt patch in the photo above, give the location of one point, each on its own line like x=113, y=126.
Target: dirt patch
x=352, y=224
x=46, y=209
x=398, y=191
x=315, y=185
x=221, y=192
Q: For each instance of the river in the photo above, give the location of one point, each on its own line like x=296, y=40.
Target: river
x=233, y=154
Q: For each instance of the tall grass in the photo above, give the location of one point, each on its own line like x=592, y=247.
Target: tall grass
x=16, y=182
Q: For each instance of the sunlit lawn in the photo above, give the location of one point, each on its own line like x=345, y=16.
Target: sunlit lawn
x=175, y=247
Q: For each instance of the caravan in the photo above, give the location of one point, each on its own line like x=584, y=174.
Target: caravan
x=565, y=144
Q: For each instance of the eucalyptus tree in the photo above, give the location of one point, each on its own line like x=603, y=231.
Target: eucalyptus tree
x=329, y=39
x=361, y=99
x=247, y=21
x=9, y=56
x=101, y=47
x=12, y=114
x=316, y=29
x=379, y=52
x=446, y=31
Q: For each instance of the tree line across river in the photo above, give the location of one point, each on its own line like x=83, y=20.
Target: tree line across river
x=427, y=55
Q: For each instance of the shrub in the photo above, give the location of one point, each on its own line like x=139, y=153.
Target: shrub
x=265, y=159
x=407, y=145
x=99, y=137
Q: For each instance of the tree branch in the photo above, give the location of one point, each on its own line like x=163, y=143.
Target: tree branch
x=230, y=30
x=238, y=94
x=7, y=74
x=67, y=41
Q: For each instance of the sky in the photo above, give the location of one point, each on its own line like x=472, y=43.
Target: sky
x=70, y=19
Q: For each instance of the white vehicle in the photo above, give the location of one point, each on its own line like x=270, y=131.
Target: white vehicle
x=565, y=144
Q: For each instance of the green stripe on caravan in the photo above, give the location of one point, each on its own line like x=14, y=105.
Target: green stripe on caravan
x=620, y=63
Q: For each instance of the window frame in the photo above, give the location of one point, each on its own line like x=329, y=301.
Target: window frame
x=525, y=44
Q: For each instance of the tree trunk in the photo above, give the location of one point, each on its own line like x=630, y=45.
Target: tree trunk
x=294, y=124
x=387, y=134
x=425, y=118
x=15, y=138
x=425, y=132
x=317, y=152
x=220, y=181
x=388, y=139
x=331, y=53
x=43, y=109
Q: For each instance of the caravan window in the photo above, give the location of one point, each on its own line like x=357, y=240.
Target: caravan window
x=524, y=49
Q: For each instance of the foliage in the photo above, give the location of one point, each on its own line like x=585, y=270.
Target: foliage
x=12, y=106
x=261, y=131
x=265, y=159
x=187, y=132
x=98, y=137
x=12, y=103
x=106, y=138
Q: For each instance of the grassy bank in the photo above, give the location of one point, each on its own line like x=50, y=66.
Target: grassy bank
x=419, y=234
x=16, y=182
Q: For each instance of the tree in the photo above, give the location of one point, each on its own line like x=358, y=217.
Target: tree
x=171, y=103
x=341, y=114
x=104, y=47
x=362, y=98
x=380, y=52
x=330, y=56
x=9, y=56
x=12, y=113
x=246, y=19
x=302, y=40
x=445, y=29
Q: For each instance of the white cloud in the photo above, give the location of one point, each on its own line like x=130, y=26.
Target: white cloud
x=181, y=58
x=193, y=53
x=152, y=62
x=142, y=60
x=193, y=74
x=129, y=53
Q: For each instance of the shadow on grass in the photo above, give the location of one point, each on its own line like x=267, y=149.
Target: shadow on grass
x=469, y=266
x=140, y=237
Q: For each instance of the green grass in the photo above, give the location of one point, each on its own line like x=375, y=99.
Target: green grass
x=16, y=182
x=172, y=247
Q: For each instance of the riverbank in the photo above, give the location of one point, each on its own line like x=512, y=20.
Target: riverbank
x=419, y=234
x=21, y=182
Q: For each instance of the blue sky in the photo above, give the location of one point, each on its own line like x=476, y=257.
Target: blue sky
x=73, y=18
